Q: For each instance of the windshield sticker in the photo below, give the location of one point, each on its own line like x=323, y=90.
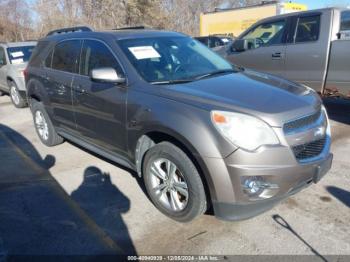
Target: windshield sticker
x=17, y=54
x=17, y=61
x=144, y=52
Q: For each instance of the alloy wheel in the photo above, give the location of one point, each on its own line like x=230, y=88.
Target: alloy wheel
x=15, y=95
x=41, y=125
x=169, y=185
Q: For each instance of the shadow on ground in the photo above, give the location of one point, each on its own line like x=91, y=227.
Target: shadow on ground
x=37, y=217
x=341, y=194
x=105, y=203
x=338, y=109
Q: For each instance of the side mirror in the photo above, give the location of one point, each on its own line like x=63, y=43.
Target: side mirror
x=106, y=74
x=240, y=45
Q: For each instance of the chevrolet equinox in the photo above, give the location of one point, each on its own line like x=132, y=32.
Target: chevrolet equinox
x=199, y=131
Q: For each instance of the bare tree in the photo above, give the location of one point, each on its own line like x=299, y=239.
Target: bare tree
x=19, y=21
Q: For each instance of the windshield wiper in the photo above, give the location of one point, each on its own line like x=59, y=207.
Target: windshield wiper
x=218, y=72
x=174, y=81
x=187, y=80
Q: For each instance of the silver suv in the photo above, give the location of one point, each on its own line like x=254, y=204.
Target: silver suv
x=13, y=60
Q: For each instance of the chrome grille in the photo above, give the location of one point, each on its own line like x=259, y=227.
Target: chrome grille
x=303, y=122
x=309, y=150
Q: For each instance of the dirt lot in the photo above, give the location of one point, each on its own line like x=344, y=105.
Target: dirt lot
x=65, y=200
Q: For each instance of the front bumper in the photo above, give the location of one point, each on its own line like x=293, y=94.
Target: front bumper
x=276, y=165
x=244, y=210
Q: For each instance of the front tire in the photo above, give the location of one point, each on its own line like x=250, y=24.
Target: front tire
x=173, y=183
x=16, y=97
x=44, y=127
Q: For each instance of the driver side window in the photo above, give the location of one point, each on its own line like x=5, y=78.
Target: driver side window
x=270, y=33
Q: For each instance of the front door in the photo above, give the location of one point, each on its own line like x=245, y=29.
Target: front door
x=100, y=107
x=266, y=48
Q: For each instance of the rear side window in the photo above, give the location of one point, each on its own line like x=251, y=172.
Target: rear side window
x=66, y=55
x=38, y=53
x=345, y=21
x=308, y=29
x=95, y=55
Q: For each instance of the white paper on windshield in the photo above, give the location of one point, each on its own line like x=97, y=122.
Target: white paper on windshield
x=17, y=54
x=17, y=61
x=224, y=40
x=144, y=52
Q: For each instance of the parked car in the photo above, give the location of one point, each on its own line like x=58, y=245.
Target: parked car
x=310, y=47
x=214, y=41
x=198, y=130
x=13, y=60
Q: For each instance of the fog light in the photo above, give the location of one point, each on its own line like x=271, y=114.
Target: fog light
x=253, y=185
x=256, y=187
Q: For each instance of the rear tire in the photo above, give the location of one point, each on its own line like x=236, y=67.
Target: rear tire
x=16, y=97
x=44, y=127
x=2, y=93
x=173, y=183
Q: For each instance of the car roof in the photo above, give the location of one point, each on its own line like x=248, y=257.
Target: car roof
x=117, y=34
x=18, y=44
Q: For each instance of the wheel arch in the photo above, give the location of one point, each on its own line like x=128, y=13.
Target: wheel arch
x=10, y=80
x=34, y=91
x=151, y=138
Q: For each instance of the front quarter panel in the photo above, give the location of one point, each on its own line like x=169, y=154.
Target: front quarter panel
x=192, y=126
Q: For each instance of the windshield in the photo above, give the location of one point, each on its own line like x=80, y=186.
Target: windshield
x=19, y=54
x=172, y=59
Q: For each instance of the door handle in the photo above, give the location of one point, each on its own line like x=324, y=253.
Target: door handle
x=80, y=89
x=277, y=55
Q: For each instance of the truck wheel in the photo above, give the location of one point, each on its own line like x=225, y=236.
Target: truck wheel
x=173, y=183
x=44, y=127
x=16, y=98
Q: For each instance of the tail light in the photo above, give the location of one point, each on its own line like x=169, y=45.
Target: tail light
x=25, y=74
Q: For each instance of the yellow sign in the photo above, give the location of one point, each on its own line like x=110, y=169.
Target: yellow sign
x=235, y=21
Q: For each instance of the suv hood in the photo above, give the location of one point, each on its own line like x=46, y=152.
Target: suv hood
x=270, y=98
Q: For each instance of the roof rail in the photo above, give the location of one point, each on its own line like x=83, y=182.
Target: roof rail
x=131, y=27
x=70, y=30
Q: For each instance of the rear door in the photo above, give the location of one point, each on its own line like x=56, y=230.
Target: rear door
x=266, y=48
x=100, y=107
x=308, y=49
x=59, y=78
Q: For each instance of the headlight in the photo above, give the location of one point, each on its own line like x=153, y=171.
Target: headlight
x=243, y=130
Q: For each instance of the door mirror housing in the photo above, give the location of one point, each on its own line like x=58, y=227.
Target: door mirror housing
x=240, y=45
x=107, y=74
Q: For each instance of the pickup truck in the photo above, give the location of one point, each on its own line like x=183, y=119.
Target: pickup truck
x=310, y=47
